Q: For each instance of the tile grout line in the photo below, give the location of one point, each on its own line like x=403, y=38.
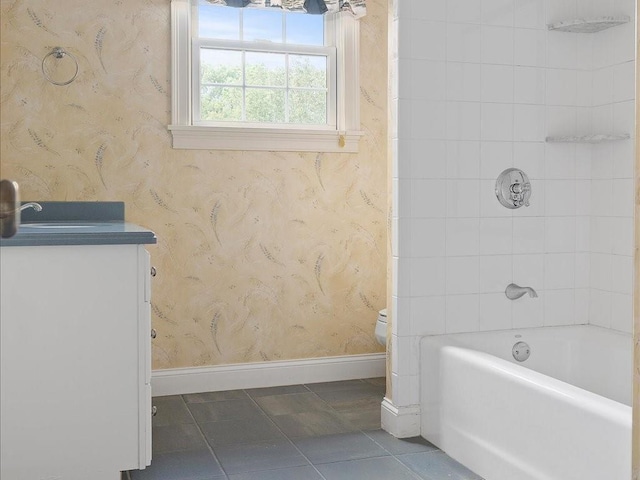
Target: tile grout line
x=338, y=413
x=395, y=456
x=331, y=406
x=284, y=434
x=209, y=447
x=364, y=432
x=359, y=430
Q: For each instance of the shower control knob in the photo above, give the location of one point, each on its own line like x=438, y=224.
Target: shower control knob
x=513, y=188
x=153, y=271
x=154, y=411
x=153, y=333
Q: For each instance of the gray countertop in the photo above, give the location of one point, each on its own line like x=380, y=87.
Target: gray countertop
x=78, y=223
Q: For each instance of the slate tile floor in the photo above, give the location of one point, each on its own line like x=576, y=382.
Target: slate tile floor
x=327, y=431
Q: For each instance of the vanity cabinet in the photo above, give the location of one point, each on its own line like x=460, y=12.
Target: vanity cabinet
x=75, y=394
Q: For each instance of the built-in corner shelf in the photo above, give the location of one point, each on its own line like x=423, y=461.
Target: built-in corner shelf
x=590, y=25
x=588, y=138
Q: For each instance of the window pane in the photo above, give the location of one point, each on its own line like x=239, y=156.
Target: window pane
x=265, y=105
x=266, y=69
x=218, y=22
x=220, y=66
x=221, y=103
x=305, y=29
x=307, y=106
x=262, y=24
x=307, y=71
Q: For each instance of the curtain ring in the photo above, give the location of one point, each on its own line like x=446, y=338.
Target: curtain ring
x=59, y=53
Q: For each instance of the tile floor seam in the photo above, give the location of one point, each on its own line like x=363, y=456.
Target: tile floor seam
x=340, y=415
x=416, y=474
x=334, y=410
x=206, y=441
x=291, y=393
x=377, y=443
x=354, y=459
x=411, y=472
x=361, y=381
x=396, y=455
x=287, y=437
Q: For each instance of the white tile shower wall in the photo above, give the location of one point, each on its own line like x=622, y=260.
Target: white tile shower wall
x=611, y=206
x=479, y=85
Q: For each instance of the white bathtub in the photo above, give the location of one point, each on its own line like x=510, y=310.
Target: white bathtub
x=563, y=414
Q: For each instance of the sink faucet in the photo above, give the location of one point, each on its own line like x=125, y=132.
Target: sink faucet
x=36, y=206
x=513, y=291
x=9, y=209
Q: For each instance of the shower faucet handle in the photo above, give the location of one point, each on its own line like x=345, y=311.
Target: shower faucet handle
x=519, y=193
x=513, y=188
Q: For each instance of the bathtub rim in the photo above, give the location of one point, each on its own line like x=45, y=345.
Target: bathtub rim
x=457, y=340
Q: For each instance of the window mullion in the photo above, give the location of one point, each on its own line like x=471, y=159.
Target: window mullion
x=244, y=67
x=196, y=82
x=287, y=88
x=244, y=85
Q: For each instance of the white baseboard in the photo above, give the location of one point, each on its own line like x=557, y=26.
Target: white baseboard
x=401, y=422
x=266, y=374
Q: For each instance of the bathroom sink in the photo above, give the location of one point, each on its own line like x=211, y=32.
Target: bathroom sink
x=76, y=223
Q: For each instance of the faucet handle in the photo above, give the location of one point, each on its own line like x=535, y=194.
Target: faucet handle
x=513, y=188
x=520, y=193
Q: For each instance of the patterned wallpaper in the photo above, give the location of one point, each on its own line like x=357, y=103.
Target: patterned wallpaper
x=261, y=255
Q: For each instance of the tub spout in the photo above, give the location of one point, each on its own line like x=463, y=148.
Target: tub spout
x=513, y=291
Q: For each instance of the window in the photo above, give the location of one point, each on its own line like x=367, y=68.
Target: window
x=263, y=79
x=261, y=66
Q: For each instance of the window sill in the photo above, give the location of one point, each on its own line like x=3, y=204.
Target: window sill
x=262, y=139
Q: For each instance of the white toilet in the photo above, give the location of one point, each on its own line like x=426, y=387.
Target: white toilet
x=381, y=327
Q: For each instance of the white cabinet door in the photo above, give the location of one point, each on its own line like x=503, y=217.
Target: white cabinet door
x=73, y=361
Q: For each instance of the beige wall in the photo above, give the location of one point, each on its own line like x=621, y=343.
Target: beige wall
x=261, y=256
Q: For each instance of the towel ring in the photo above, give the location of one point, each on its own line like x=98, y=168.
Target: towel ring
x=59, y=53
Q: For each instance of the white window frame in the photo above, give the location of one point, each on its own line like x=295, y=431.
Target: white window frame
x=341, y=137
